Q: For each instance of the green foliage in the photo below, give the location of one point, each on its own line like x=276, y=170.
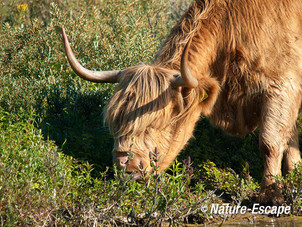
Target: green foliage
x=236, y=188
x=293, y=189
x=33, y=175
x=224, y=150
x=163, y=198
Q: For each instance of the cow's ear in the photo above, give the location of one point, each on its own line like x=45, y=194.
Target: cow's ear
x=208, y=92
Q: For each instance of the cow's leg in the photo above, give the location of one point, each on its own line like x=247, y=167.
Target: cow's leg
x=270, y=189
x=292, y=153
x=277, y=133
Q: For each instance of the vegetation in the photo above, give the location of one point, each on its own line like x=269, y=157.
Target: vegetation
x=55, y=152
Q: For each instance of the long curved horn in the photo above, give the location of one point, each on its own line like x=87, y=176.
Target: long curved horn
x=186, y=79
x=94, y=76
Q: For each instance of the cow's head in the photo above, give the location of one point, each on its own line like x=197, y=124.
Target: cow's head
x=150, y=109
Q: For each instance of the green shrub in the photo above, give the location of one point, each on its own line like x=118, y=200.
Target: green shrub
x=293, y=189
x=236, y=188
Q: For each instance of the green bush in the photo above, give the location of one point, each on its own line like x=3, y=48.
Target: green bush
x=293, y=189
x=236, y=188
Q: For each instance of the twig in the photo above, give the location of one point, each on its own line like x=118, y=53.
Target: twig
x=154, y=201
x=57, y=190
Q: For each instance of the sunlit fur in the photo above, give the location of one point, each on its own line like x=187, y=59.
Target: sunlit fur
x=146, y=111
x=247, y=56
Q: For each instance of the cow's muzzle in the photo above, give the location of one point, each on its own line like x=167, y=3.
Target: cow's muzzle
x=120, y=158
x=121, y=161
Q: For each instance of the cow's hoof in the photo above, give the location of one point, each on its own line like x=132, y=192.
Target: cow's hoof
x=271, y=195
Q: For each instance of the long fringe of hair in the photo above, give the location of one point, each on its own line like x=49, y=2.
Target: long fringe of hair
x=144, y=96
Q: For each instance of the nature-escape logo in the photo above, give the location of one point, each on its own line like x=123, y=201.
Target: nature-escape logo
x=228, y=209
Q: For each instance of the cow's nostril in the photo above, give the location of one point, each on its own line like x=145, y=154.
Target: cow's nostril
x=122, y=161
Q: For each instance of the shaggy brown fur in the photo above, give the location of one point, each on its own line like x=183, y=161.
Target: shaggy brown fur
x=143, y=117
x=247, y=56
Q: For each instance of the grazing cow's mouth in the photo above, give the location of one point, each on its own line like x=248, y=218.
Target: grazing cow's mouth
x=121, y=158
x=132, y=164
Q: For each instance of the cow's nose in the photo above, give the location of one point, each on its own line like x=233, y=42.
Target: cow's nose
x=122, y=161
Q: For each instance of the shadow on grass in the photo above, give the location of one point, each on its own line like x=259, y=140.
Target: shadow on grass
x=72, y=116
x=226, y=151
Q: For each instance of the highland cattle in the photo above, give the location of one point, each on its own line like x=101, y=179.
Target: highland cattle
x=237, y=62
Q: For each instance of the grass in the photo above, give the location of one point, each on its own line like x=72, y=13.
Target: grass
x=55, y=152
